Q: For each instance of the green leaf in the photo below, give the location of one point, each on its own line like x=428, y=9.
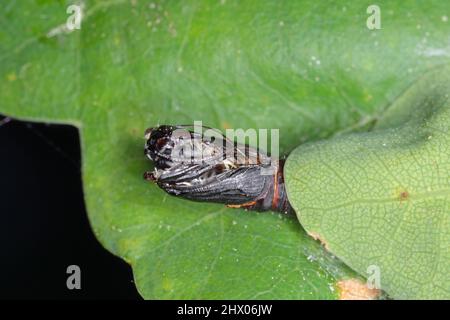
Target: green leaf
x=308, y=68
x=383, y=198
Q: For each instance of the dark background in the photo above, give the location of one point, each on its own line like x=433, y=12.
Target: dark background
x=43, y=222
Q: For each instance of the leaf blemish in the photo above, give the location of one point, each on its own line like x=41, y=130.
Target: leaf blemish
x=355, y=289
x=404, y=195
x=317, y=236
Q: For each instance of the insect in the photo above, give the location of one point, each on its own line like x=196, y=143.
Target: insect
x=209, y=167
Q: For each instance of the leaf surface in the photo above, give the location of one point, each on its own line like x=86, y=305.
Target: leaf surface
x=382, y=199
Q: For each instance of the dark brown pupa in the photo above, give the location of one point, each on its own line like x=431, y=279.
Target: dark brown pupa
x=214, y=169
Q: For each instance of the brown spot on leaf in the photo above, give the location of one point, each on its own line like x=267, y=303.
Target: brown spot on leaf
x=355, y=289
x=404, y=195
x=226, y=125
x=317, y=236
